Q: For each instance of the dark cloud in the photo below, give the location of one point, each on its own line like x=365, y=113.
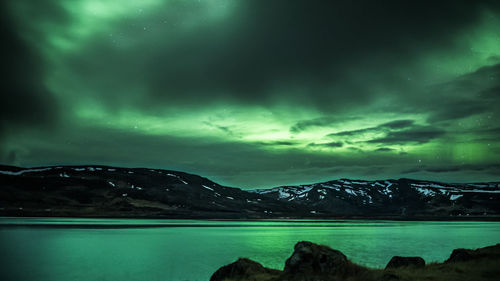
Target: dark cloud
x=317, y=52
x=417, y=134
x=327, y=144
x=384, y=149
x=491, y=93
x=468, y=95
x=456, y=168
x=24, y=100
x=398, y=124
x=278, y=143
x=482, y=134
x=393, y=125
x=457, y=110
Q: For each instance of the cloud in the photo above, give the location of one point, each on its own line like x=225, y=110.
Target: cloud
x=397, y=124
x=468, y=95
x=315, y=53
x=417, y=134
x=278, y=143
x=327, y=144
x=226, y=129
x=490, y=167
x=457, y=110
x=24, y=100
x=384, y=149
x=491, y=94
x=397, y=132
x=327, y=121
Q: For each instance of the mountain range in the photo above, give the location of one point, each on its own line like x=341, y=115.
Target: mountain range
x=104, y=191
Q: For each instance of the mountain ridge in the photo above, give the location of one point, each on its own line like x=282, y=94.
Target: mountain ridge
x=97, y=190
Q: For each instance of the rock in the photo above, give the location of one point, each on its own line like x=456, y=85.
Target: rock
x=461, y=255
x=312, y=259
x=308, y=262
x=241, y=269
x=398, y=261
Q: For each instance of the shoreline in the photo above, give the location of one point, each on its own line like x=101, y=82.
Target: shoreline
x=274, y=219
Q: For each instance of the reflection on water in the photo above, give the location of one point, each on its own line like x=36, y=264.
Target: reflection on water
x=88, y=249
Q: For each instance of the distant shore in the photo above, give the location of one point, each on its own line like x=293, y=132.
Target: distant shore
x=273, y=219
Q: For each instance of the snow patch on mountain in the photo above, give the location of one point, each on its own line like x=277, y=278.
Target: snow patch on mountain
x=179, y=178
x=333, y=186
x=425, y=191
x=209, y=188
x=24, y=171
x=284, y=194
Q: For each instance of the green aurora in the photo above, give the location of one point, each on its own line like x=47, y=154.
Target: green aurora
x=255, y=93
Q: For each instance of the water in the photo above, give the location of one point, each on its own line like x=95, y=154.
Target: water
x=43, y=249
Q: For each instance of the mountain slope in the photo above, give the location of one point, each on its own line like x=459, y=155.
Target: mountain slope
x=109, y=191
x=403, y=197
x=126, y=192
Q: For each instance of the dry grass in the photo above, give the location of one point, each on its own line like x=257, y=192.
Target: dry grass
x=476, y=270
x=482, y=269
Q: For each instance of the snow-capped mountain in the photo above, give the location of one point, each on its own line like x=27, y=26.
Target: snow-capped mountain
x=111, y=191
x=119, y=192
x=403, y=196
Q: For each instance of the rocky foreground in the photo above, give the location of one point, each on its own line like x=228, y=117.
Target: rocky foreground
x=312, y=262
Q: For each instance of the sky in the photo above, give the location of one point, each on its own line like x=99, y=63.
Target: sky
x=254, y=93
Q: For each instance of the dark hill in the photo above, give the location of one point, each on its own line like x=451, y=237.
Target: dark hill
x=137, y=192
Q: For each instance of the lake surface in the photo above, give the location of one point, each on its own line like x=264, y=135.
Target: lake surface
x=62, y=249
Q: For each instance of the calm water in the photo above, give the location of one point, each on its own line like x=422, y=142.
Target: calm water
x=116, y=249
